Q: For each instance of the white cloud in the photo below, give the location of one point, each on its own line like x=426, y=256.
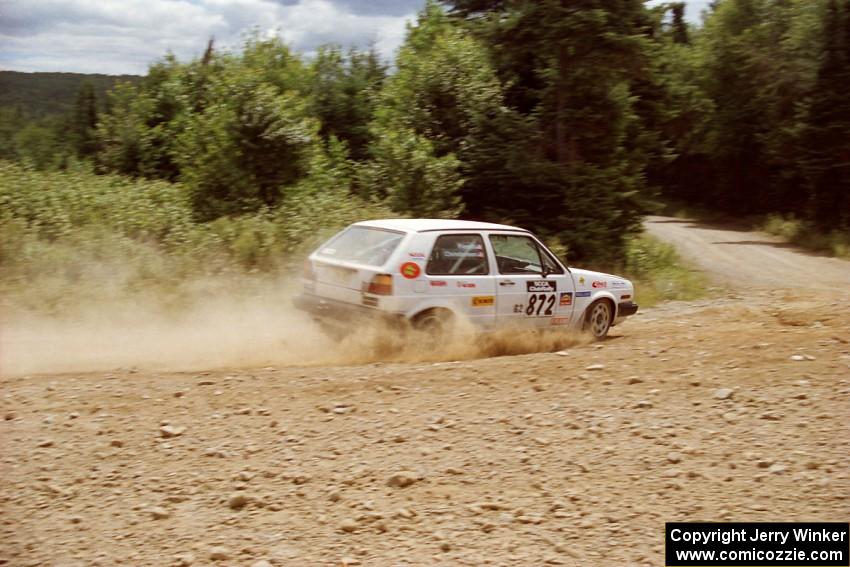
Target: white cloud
x=110, y=36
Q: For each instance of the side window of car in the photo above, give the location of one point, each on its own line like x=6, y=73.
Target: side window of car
x=552, y=267
x=458, y=255
x=519, y=254
x=515, y=254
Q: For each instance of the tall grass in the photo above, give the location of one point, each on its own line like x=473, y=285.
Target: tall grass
x=73, y=236
x=659, y=274
x=791, y=229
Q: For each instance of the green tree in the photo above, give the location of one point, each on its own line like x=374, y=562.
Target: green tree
x=827, y=130
x=239, y=154
x=342, y=94
x=446, y=91
x=407, y=176
x=679, y=25
x=84, y=121
x=756, y=65
x=138, y=136
x=38, y=144
x=572, y=67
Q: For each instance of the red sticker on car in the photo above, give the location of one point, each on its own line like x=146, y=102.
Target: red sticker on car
x=598, y=284
x=410, y=270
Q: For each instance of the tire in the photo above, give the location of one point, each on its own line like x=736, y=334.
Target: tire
x=598, y=320
x=435, y=324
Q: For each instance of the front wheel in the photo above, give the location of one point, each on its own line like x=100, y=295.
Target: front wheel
x=599, y=317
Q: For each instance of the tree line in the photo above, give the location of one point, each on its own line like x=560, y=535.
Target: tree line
x=571, y=117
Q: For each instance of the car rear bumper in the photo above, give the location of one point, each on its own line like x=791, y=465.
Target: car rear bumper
x=626, y=309
x=339, y=311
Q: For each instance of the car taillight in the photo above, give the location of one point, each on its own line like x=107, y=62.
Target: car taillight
x=382, y=284
x=309, y=274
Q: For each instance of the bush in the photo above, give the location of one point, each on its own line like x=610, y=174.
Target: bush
x=67, y=237
x=659, y=274
x=807, y=235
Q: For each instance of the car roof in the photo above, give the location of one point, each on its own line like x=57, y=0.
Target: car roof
x=427, y=225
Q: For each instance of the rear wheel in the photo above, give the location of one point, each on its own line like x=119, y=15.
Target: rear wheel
x=435, y=324
x=598, y=320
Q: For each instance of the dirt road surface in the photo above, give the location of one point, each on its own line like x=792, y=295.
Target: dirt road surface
x=732, y=408
x=745, y=259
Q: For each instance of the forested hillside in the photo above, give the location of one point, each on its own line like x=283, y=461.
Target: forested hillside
x=573, y=119
x=41, y=94
x=44, y=117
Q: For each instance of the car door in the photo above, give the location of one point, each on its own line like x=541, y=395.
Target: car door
x=458, y=271
x=532, y=289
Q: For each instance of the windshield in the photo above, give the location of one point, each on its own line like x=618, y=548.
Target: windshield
x=363, y=245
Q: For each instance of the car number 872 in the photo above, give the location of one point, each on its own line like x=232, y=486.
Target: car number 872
x=540, y=305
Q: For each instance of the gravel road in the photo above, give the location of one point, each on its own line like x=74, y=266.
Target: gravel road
x=749, y=259
x=730, y=408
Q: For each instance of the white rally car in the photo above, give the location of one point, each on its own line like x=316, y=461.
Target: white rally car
x=429, y=271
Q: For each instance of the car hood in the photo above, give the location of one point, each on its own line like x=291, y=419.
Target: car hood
x=588, y=279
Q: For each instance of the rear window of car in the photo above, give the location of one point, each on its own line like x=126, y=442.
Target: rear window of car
x=363, y=245
x=458, y=255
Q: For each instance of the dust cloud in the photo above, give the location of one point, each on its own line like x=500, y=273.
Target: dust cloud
x=224, y=324
x=214, y=324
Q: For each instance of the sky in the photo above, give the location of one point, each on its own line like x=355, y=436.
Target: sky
x=125, y=36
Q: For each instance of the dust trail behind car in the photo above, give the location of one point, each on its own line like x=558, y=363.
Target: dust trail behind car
x=220, y=324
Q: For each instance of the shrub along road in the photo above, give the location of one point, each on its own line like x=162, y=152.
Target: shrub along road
x=730, y=408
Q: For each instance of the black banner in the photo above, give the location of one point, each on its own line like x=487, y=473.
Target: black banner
x=533, y=286
x=743, y=544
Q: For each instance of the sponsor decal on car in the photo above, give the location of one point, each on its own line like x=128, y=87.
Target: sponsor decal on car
x=618, y=283
x=566, y=299
x=534, y=286
x=465, y=284
x=418, y=255
x=410, y=270
x=581, y=280
x=582, y=294
x=597, y=284
x=559, y=320
x=483, y=301
x=438, y=283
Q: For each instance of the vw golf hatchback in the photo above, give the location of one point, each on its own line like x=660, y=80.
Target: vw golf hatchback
x=430, y=271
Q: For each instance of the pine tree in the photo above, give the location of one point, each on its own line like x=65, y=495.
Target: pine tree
x=84, y=121
x=827, y=136
x=572, y=66
x=679, y=25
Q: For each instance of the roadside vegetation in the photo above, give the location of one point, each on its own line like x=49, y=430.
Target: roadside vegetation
x=72, y=237
x=789, y=227
x=807, y=235
x=659, y=273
